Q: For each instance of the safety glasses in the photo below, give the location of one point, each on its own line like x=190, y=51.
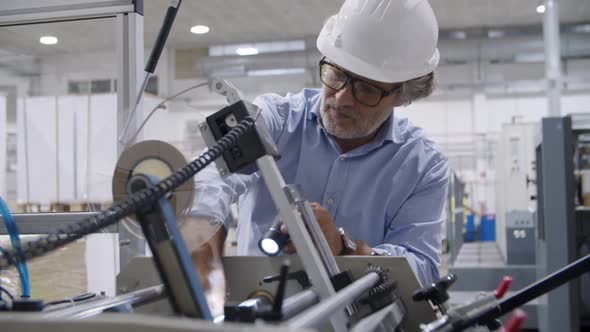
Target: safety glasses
x=363, y=91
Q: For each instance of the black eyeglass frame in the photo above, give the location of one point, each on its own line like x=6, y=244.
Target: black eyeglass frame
x=351, y=79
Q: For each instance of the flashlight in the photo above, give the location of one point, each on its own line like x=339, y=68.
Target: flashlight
x=273, y=240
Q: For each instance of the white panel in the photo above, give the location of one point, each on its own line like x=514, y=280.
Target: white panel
x=82, y=151
x=102, y=147
x=531, y=109
x=497, y=111
x=575, y=104
x=22, y=193
x=41, y=149
x=68, y=109
x=102, y=263
x=3, y=147
x=459, y=116
x=432, y=116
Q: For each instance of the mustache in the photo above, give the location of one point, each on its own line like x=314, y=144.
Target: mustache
x=346, y=110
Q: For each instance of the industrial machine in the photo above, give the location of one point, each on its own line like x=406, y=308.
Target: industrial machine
x=562, y=218
x=482, y=264
x=315, y=291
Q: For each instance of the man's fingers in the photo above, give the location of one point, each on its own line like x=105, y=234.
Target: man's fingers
x=289, y=248
x=284, y=229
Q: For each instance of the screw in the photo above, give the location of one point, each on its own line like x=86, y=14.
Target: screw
x=203, y=127
x=222, y=171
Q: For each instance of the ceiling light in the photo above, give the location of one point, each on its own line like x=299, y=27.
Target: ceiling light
x=458, y=35
x=540, y=9
x=48, y=40
x=200, y=29
x=496, y=33
x=247, y=51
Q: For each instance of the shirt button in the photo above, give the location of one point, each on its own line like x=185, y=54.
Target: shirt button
x=342, y=157
x=330, y=201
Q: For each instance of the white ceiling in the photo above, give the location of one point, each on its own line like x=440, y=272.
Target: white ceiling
x=234, y=21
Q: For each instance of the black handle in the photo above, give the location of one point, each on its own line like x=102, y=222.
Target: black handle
x=437, y=292
x=150, y=67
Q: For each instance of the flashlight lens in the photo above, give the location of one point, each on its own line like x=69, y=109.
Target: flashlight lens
x=269, y=246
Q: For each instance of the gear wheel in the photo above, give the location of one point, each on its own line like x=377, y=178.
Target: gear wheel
x=383, y=293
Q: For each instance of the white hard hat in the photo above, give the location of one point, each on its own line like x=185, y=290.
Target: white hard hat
x=383, y=40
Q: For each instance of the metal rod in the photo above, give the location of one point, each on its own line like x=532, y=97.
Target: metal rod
x=529, y=293
x=297, y=303
x=123, y=138
x=552, y=56
x=45, y=223
x=309, y=256
x=313, y=317
x=319, y=239
x=94, y=308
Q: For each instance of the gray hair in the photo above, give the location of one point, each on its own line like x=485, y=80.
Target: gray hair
x=417, y=88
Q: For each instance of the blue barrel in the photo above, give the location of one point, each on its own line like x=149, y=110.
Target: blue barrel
x=470, y=228
x=488, y=228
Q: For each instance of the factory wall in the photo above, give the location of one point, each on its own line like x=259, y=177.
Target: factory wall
x=464, y=118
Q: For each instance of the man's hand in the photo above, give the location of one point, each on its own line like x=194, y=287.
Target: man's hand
x=331, y=233
x=327, y=226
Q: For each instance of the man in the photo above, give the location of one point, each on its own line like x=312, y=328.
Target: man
x=373, y=177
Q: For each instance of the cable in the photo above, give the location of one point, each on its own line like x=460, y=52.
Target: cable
x=5, y=291
x=142, y=199
x=21, y=267
x=78, y=298
x=160, y=105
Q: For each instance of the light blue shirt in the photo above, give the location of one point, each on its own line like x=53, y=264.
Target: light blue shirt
x=389, y=193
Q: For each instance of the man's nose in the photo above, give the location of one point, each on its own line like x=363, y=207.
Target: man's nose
x=344, y=96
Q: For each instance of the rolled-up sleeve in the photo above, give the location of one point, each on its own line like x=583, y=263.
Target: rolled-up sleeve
x=415, y=231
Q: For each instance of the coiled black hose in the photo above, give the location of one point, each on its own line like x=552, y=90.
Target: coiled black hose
x=126, y=207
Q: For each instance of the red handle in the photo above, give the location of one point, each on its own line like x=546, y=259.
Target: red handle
x=503, y=287
x=516, y=321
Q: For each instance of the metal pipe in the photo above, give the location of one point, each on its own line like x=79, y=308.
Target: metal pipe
x=297, y=303
x=46, y=223
x=135, y=298
x=309, y=256
x=319, y=239
x=312, y=318
x=552, y=57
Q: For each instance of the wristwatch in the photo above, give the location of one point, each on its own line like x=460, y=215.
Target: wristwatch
x=348, y=244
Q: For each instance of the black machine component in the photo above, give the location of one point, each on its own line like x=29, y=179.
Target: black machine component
x=383, y=293
x=487, y=313
x=260, y=306
x=273, y=241
x=255, y=142
x=299, y=276
x=170, y=254
x=437, y=293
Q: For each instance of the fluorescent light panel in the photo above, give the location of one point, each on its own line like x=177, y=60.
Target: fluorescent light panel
x=200, y=29
x=48, y=40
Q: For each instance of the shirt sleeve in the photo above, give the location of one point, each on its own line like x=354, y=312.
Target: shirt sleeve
x=214, y=194
x=415, y=231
